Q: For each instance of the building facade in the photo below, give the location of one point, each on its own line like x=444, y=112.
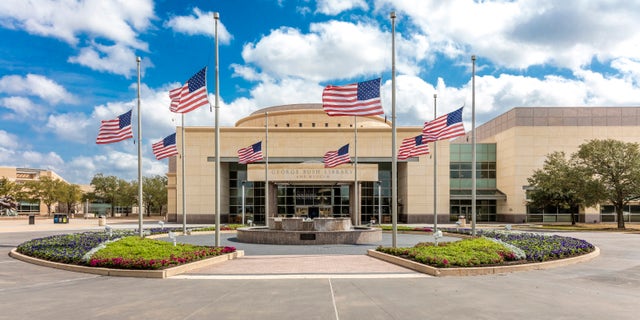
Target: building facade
x=435, y=186
x=22, y=175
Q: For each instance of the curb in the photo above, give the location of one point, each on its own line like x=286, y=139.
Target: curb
x=157, y=274
x=476, y=271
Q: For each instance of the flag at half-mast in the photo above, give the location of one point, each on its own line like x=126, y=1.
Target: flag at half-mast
x=412, y=147
x=250, y=154
x=356, y=99
x=165, y=148
x=334, y=158
x=444, y=127
x=192, y=95
x=115, y=130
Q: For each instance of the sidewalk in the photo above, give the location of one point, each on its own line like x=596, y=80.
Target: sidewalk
x=44, y=223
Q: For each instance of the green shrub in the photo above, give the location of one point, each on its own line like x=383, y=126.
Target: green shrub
x=463, y=253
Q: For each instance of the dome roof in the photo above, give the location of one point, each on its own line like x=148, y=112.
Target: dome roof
x=306, y=115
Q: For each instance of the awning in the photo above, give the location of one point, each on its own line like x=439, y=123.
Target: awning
x=481, y=194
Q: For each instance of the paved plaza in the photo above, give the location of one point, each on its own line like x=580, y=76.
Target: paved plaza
x=319, y=282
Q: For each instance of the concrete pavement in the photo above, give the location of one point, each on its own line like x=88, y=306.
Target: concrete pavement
x=606, y=287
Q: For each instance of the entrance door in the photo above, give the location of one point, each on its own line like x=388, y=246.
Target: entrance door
x=466, y=212
x=313, y=200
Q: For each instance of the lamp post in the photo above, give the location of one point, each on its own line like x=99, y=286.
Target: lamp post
x=243, y=207
x=379, y=202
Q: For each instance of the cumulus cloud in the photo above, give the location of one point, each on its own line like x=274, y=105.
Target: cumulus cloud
x=23, y=108
x=520, y=34
x=199, y=23
x=327, y=52
x=35, y=85
x=118, y=21
x=118, y=59
x=31, y=159
x=8, y=140
x=334, y=7
x=110, y=21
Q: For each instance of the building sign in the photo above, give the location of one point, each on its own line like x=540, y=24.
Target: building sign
x=290, y=172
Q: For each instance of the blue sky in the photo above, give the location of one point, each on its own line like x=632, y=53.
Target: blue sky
x=66, y=65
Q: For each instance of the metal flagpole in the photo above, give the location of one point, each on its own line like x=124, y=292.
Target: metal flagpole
x=394, y=159
x=266, y=169
x=355, y=183
x=435, y=176
x=216, y=17
x=473, y=148
x=184, y=197
x=139, y=157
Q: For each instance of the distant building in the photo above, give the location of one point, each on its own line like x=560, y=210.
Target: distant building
x=22, y=175
x=509, y=148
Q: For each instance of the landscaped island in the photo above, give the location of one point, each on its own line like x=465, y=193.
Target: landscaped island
x=119, y=250
x=493, y=248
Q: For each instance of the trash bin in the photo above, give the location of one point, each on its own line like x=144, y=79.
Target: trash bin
x=102, y=221
x=32, y=219
x=60, y=218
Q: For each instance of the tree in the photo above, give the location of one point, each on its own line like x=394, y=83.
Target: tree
x=615, y=165
x=154, y=193
x=106, y=188
x=115, y=191
x=563, y=184
x=128, y=194
x=47, y=190
x=70, y=195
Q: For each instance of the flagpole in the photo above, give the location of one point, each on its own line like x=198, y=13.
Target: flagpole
x=473, y=148
x=139, y=157
x=216, y=17
x=357, y=217
x=394, y=159
x=184, y=197
x=266, y=170
x=435, y=176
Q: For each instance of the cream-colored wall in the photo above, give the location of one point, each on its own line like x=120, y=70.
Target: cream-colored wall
x=523, y=149
x=310, y=144
x=13, y=174
x=420, y=191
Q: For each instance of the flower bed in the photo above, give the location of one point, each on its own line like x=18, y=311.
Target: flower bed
x=538, y=247
x=146, y=254
x=510, y=248
x=67, y=248
x=463, y=253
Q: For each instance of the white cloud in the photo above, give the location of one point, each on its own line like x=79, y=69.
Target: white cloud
x=118, y=59
x=35, y=85
x=520, y=34
x=31, y=159
x=23, y=108
x=8, y=140
x=334, y=7
x=116, y=20
x=70, y=126
x=327, y=52
x=200, y=23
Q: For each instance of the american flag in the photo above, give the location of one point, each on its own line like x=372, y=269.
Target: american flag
x=115, y=130
x=191, y=95
x=165, y=148
x=357, y=99
x=334, y=158
x=412, y=147
x=250, y=154
x=444, y=127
